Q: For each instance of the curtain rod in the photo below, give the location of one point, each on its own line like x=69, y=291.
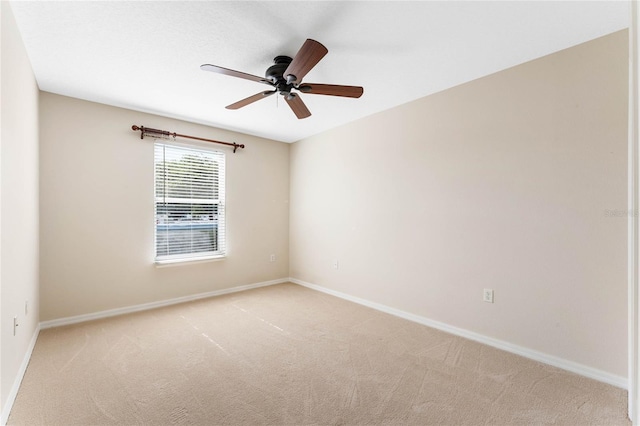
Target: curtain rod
x=156, y=132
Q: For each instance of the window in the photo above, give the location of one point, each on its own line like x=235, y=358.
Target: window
x=189, y=203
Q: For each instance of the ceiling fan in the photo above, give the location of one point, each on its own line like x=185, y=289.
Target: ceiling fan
x=286, y=74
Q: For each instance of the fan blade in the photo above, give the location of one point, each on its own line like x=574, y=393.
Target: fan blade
x=297, y=106
x=331, y=90
x=307, y=57
x=250, y=100
x=233, y=73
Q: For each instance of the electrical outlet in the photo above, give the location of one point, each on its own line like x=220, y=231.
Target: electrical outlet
x=487, y=295
x=335, y=264
x=272, y=258
x=15, y=324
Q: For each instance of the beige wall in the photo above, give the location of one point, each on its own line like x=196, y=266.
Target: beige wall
x=97, y=211
x=505, y=183
x=19, y=202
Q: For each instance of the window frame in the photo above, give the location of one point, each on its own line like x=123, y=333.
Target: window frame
x=183, y=258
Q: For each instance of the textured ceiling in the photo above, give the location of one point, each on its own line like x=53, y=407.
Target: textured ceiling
x=145, y=55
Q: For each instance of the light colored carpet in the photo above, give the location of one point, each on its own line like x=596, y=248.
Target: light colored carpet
x=287, y=355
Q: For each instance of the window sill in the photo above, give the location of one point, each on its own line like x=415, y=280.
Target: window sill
x=181, y=262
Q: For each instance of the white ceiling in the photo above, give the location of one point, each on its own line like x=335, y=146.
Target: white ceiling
x=145, y=55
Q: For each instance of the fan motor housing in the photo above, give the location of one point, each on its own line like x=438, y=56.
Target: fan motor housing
x=275, y=71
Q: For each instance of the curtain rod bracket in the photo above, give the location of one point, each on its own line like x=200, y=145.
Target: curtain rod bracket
x=161, y=133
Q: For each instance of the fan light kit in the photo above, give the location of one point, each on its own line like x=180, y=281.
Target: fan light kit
x=286, y=74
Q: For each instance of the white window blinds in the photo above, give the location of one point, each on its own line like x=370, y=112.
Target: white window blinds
x=189, y=203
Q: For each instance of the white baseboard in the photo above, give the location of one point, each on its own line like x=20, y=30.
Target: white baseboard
x=152, y=305
x=564, y=364
x=6, y=410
